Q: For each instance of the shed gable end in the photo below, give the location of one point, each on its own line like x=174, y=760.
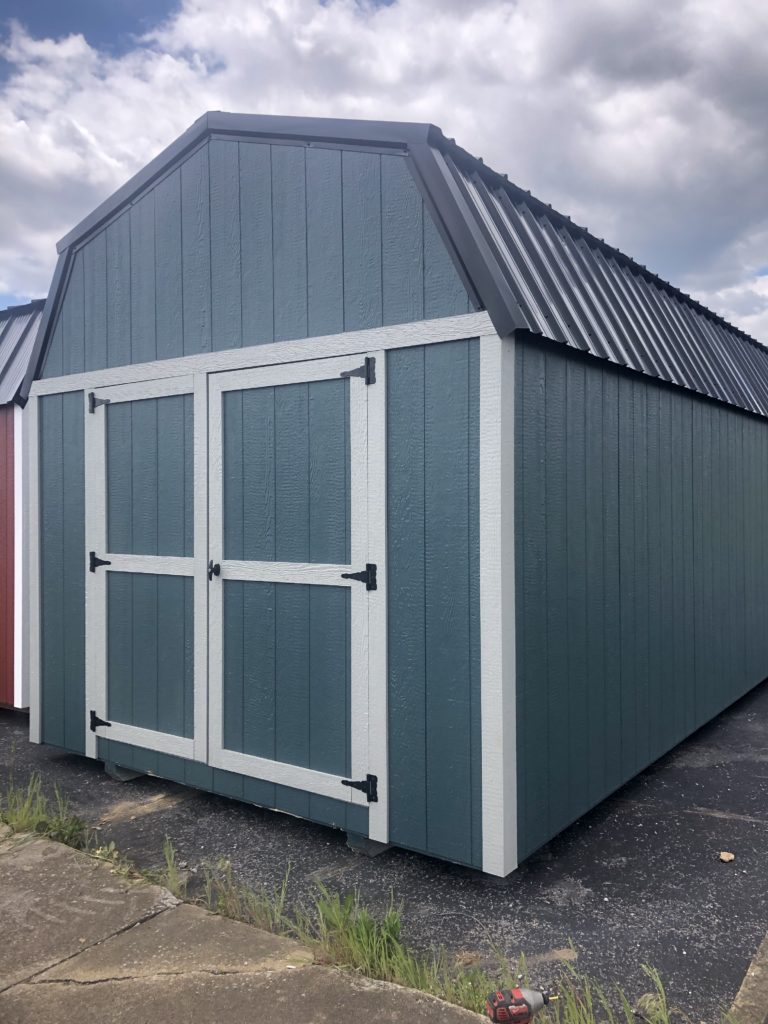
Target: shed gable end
x=244, y=243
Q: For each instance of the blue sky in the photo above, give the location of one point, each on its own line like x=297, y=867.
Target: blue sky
x=109, y=24
x=649, y=130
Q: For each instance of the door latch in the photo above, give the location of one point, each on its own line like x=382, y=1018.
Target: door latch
x=369, y=785
x=367, y=576
x=214, y=569
x=95, y=562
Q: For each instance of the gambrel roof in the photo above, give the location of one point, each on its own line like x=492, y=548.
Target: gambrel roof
x=530, y=267
x=18, y=331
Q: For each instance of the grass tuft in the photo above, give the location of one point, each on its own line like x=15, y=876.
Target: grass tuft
x=341, y=930
x=28, y=809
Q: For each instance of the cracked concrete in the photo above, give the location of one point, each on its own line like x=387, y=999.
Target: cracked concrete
x=636, y=881
x=85, y=942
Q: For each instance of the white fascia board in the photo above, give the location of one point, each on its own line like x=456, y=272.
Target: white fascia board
x=497, y=604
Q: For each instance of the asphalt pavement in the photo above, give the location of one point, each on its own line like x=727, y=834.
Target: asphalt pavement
x=636, y=881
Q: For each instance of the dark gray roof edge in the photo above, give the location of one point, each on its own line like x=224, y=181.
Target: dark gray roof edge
x=462, y=157
x=40, y=348
x=23, y=309
x=333, y=130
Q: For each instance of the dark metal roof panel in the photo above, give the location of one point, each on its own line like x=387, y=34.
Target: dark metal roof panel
x=575, y=289
x=18, y=330
x=531, y=267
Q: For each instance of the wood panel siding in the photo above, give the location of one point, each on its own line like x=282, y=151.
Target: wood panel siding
x=245, y=243
x=325, y=811
x=62, y=570
x=434, y=605
x=641, y=565
x=7, y=554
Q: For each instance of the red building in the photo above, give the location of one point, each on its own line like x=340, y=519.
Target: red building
x=18, y=330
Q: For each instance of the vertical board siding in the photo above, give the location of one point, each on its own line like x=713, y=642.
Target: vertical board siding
x=287, y=673
x=62, y=570
x=7, y=552
x=325, y=811
x=286, y=473
x=149, y=476
x=433, y=587
x=641, y=555
x=150, y=637
x=244, y=243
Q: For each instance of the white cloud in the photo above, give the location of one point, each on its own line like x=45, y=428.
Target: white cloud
x=649, y=128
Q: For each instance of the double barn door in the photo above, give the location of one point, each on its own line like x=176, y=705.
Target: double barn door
x=235, y=596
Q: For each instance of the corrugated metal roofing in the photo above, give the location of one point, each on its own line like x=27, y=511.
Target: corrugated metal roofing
x=529, y=266
x=18, y=332
x=571, y=287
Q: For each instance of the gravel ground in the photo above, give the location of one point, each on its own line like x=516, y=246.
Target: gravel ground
x=638, y=880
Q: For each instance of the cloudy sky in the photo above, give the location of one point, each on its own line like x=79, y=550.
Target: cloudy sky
x=646, y=122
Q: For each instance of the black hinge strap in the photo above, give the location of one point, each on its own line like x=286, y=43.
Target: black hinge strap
x=369, y=785
x=97, y=722
x=367, y=576
x=95, y=562
x=94, y=402
x=367, y=371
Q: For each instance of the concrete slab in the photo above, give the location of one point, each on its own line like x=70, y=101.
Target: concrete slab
x=638, y=880
x=314, y=995
x=55, y=902
x=183, y=940
x=751, y=1003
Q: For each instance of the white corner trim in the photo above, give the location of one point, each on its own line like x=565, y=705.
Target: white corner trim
x=497, y=604
x=420, y=332
x=20, y=689
x=31, y=415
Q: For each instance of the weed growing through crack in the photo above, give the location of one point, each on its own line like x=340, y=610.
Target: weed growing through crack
x=340, y=929
x=170, y=875
x=28, y=809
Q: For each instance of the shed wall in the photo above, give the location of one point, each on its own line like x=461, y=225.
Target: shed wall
x=434, y=600
x=246, y=243
x=7, y=545
x=433, y=581
x=642, y=561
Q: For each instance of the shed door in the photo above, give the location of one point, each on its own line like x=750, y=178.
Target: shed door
x=293, y=699
x=146, y=586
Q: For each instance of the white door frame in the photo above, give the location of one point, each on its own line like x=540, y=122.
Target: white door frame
x=368, y=608
x=96, y=621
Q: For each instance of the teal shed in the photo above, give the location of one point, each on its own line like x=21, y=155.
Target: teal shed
x=367, y=487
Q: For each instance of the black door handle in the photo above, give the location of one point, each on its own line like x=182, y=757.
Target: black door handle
x=214, y=569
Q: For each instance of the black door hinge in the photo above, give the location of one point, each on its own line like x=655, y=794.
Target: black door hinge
x=95, y=562
x=369, y=785
x=367, y=576
x=367, y=371
x=94, y=402
x=97, y=722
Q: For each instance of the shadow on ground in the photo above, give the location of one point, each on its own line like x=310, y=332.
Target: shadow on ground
x=636, y=881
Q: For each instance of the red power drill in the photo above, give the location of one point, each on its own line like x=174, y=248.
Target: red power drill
x=516, y=1005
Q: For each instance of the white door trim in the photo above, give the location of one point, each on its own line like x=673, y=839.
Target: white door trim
x=366, y=546
x=497, y=604
x=96, y=624
x=419, y=332
x=378, y=680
